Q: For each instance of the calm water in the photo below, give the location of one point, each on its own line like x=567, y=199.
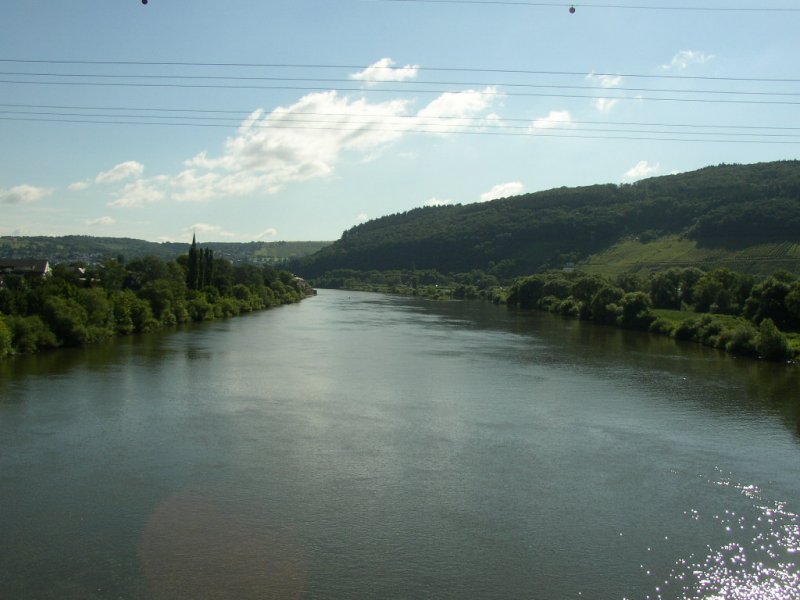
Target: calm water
x=366, y=446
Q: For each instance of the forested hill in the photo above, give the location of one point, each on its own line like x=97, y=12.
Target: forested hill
x=725, y=207
x=88, y=249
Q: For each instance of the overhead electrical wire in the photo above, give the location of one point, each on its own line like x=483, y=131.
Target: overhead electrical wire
x=476, y=126
x=404, y=83
x=419, y=68
x=243, y=113
x=678, y=8
x=396, y=90
x=541, y=133
x=571, y=130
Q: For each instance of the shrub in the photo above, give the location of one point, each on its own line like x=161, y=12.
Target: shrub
x=662, y=326
x=5, y=339
x=741, y=340
x=770, y=343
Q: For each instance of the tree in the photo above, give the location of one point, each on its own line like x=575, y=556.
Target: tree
x=768, y=301
x=665, y=289
x=605, y=305
x=193, y=267
x=636, y=311
x=771, y=343
x=5, y=338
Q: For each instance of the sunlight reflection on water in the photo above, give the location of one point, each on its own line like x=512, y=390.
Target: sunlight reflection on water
x=757, y=563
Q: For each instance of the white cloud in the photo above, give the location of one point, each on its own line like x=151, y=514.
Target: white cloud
x=362, y=218
x=101, y=221
x=23, y=194
x=138, y=193
x=605, y=104
x=267, y=233
x=273, y=149
x=503, y=190
x=607, y=81
x=684, y=58
x=438, y=202
x=641, y=170
x=383, y=71
x=79, y=185
x=207, y=231
x=556, y=118
x=121, y=171
x=453, y=111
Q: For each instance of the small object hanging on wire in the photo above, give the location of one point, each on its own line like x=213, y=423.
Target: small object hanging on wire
x=571, y=8
x=144, y=1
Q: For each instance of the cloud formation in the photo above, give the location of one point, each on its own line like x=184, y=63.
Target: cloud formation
x=641, y=170
x=23, y=194
x=684, y=58
x=608, y=82
x=119, y=172
x=556, y=118
x=503, y=190
x=139, y=193
x=101, y=221
x=287, y=145
x=208, y=231
x=384, y=70
x=437, y=202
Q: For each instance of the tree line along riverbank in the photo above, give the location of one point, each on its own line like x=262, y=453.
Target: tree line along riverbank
x=734, y=312
x=77, y=304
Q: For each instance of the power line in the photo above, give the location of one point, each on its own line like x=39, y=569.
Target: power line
x=600, y=6
x=394, y=90
x=528, y=133
x=419, y=68
x=404, y=83
x=244, y=113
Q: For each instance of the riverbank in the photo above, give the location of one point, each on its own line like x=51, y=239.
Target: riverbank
x=623, y=303
x=77, y=306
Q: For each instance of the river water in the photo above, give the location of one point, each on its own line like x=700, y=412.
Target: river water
x=368, y=446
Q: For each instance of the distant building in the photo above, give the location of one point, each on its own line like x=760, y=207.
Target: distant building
x=26, y=267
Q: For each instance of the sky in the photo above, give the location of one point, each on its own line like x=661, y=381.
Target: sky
x=247, y=120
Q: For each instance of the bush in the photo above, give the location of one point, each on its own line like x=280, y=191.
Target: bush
x=5, y=339
x=662, y=326
x=570, y=307
x=770, y=343
x=741, y=340
x=687, y=330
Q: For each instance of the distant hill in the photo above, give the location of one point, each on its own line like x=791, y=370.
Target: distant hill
x=742, y=215
x=89, y=249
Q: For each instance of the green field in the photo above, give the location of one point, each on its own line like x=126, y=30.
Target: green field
x=676, y=251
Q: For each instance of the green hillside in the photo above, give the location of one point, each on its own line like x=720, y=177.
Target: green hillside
x=758, y=259
x=88, y=249
x=743, y=216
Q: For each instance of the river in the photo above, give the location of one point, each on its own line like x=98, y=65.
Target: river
x=370, y=446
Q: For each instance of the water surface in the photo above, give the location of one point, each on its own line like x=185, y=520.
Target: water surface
x=369, y=446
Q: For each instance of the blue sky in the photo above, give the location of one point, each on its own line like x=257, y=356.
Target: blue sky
x=295, y=120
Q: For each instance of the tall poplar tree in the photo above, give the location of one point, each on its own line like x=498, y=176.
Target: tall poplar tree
x=193, y=272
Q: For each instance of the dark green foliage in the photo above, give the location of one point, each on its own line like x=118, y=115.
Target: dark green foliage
x=636, y=311
x=741, y=341
x=70, y=248
x=662, y=326
x=727, y=205
x=768, y=301
x=722, y=291
x=74, y=307
x=771, y=343
x=605, y=305
x=6, y=339
x=665, y=289
x=67, y=320
x=717, y=291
